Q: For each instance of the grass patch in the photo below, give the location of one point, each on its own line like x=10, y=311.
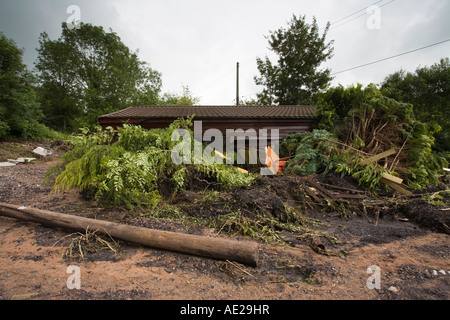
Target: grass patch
x=14, y=150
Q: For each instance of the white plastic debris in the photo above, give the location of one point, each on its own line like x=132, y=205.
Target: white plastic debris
x=7, y=164
x=393, y=289
x=13, y=162
x=21, y=208
x=42, y=152
x=442, y=272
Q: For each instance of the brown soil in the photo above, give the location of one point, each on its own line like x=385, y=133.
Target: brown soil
x=408, y=242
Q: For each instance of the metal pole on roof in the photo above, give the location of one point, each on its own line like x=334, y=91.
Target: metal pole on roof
x=237, y=84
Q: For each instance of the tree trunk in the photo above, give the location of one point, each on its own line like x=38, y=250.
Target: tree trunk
x=217, y=248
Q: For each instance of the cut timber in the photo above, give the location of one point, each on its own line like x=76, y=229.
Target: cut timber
x=392, y=178
x=349, y=196
x=324, y=192
x=222, y=249
x=396, y=187
x=378, y=157
x=242, y=170
x=220, y=154
x=341, y=188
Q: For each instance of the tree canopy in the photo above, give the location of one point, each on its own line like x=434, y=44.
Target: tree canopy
x=20, y=111
x=185, y=98
x=296, y=78
x=88, y=72
x=428, y=90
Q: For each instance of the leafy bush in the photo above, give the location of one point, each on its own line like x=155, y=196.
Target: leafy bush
x=319, y=151
x=366, y=120
x=424, y=165
x=313, y=153
x=130, y=171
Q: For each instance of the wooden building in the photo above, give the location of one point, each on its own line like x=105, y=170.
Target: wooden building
x=286, y=119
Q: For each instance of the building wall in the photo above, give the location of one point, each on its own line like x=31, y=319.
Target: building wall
x=285, y=126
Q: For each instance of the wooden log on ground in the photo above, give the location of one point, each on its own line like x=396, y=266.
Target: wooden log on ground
x=216, y=248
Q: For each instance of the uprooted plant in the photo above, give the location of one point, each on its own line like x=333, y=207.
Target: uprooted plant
x=364, y=122
x=320, y=151
x=129, y=170
x=83, y=244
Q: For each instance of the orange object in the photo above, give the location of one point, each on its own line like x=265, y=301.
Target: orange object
x=274, y=163
x=281, y=166
x=272, y=160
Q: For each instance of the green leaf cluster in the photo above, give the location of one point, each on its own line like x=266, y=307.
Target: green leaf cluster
x=319, y=152
x=20, y=112
x=296, y=78
x=88, y=72
x=428, y=90
x=313, y=152
x=367, y=120
x=127, y=166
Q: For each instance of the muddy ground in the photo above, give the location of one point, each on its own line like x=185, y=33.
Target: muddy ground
x=409, y=242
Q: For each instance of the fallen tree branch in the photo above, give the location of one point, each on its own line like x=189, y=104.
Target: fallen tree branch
x=222, y=249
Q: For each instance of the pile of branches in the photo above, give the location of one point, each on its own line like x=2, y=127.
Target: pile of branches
x=359, y=123
x=130, y=166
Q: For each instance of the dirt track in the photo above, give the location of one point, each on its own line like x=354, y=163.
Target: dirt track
x=408, y=254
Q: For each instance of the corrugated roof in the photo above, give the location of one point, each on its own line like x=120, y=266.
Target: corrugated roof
x=213, y=112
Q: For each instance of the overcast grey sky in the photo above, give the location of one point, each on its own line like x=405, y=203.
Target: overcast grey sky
x=198, y=42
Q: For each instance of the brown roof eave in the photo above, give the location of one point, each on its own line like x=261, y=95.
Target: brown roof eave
x=213, y=118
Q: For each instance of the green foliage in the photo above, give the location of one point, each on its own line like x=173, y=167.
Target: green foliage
x=185, y=98
x=289, y=144
x=427, y=89
x=129, y=171
x=425, y=166
x=368, y=121
x=82, y=173
x=335, y=104
x=369, y=175
x=440, y=198
x=20, y=112
x=88, y=72
x=236, y=223
x=296, y=78
x=319, y=152
x=180, y=180
x=226, y=175
x=313, y=154
x=130, y=178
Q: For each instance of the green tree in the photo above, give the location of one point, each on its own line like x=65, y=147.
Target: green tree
x=20, y=112
x=185, y=98
x=428, y=90
x=297, y=77
x=88, y=72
